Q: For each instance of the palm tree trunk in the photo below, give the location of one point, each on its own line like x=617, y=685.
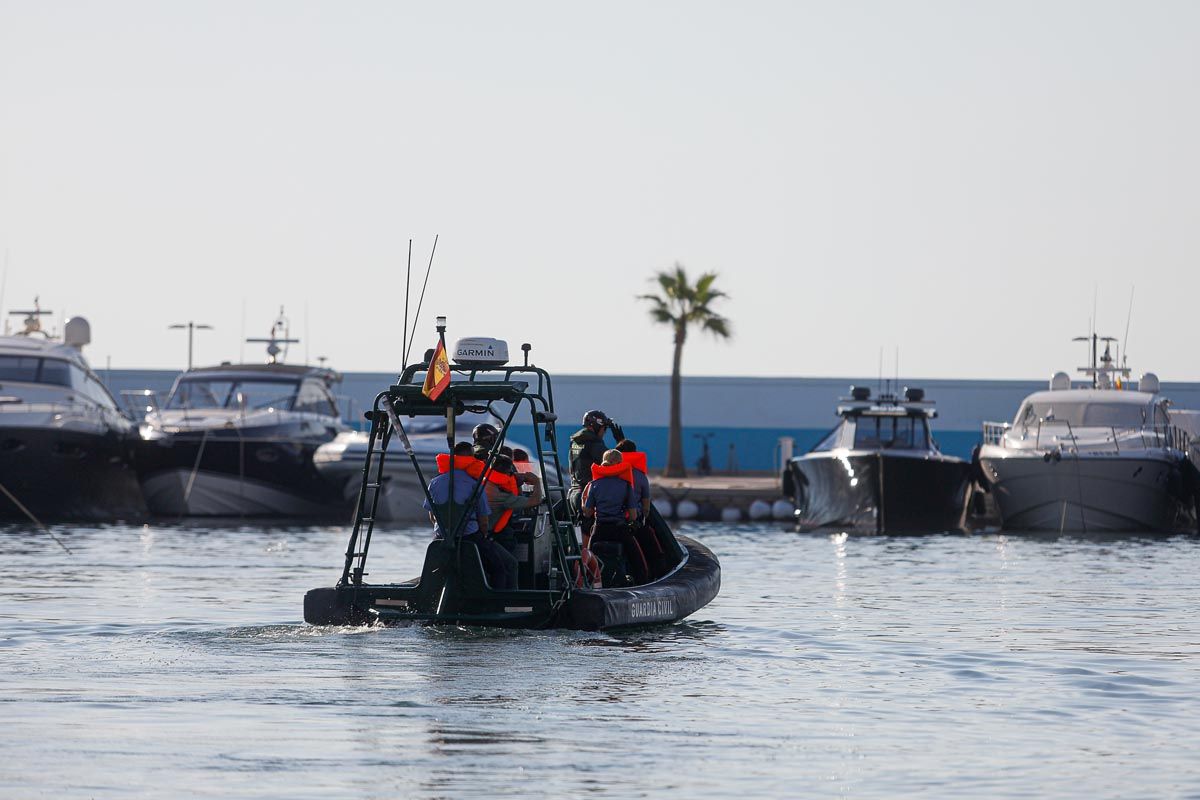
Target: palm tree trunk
x=675, y=466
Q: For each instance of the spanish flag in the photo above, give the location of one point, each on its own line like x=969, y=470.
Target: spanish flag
x=438, y=376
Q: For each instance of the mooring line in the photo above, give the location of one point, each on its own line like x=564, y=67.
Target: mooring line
x=36, y=521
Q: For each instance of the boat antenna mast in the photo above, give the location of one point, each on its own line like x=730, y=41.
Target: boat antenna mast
x=1124, y=352
x=273, y=342
x=420, y=302
x=404, y=336
x=1103, y=367
x=33, y=319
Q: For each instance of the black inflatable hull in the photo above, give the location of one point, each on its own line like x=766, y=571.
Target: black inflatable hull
x=691, y=585
x=878, y=492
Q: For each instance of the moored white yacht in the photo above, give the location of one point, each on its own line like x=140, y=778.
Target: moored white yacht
x=65, y=447
x=238, y=440
x=1099, y=458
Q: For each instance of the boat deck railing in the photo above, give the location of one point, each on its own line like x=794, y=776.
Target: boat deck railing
x=993, y=432
x=1109, y=438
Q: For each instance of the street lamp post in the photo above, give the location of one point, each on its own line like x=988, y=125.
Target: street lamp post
x=192, y=327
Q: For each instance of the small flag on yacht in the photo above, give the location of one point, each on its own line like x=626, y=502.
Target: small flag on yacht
x=438, y=376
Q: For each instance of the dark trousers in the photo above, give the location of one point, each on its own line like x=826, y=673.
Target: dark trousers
x=499, y=564
x=619, y=532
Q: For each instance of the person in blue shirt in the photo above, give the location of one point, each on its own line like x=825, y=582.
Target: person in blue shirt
x=610, y=502
x=498, y=563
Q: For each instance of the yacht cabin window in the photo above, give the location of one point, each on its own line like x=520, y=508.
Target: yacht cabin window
x=891, y=433
x=54, y=372
x=1095, y=414
x=255, y=394
x=27, y=369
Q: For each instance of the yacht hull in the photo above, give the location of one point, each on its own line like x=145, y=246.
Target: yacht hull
x=65, y=474
x=877, y=491
x=400, y=500
x=1093, y=493
x=222, y=475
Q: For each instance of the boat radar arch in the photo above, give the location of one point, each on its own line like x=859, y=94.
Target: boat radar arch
x=480, y=352
x=1060, y=382
x=280, y=326
x=33, y=319
x=77, y=332
x=1149, y=383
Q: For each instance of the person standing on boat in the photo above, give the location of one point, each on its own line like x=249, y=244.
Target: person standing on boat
x=505, y=497
x=484, y=436
x=610, y=502
x=587, y=448
x=499, y=564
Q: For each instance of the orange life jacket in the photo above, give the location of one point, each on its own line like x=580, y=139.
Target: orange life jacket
x=507, y=483
x=635, y=460
x=525, y=466
x=474, y=467
x=468, y=464
x=624, y=471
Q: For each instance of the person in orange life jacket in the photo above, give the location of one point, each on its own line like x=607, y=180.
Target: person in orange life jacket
x=587, y=448
x=498, y=563
x=610, y=503
x=647, y=537
x=504, y=497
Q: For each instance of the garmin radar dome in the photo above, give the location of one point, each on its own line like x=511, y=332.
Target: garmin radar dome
x=480, y=351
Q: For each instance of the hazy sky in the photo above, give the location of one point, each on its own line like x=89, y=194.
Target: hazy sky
x=953, y=178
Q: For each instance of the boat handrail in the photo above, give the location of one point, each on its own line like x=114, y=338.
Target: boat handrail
x=83, y=409
x=1150, y=436
x=993, y=432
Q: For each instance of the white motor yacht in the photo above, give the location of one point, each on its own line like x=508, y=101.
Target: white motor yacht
x=65, y=447
x=1102, y=457
x=238, y=439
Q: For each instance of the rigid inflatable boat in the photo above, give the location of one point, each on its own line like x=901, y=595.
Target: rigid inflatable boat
x=556, y=589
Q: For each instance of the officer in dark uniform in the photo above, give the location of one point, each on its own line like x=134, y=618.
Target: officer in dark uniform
x=484, y=437
x=587, y=448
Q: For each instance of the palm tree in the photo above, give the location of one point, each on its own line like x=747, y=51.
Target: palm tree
x=682, y=304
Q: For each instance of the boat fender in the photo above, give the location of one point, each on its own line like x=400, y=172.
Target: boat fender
x=731, y=514
x=687, y=509
x=782, y=509
x=760, y=509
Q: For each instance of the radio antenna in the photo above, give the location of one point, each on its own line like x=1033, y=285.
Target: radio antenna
x=4, y=281
x=417, y=316
x=1128, y=318
x=404, y=338
x=879, y=386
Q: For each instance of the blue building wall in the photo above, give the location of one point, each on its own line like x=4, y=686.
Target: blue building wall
x=751, y=414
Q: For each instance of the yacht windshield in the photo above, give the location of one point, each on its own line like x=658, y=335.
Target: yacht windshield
x=894, y=433
x=1083, y=414
x=233, y=393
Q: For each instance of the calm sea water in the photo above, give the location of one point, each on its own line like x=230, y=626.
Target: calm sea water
x=171, y=661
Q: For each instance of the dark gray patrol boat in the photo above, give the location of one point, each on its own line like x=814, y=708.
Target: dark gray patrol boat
x=554, y=588
x=879, y=470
